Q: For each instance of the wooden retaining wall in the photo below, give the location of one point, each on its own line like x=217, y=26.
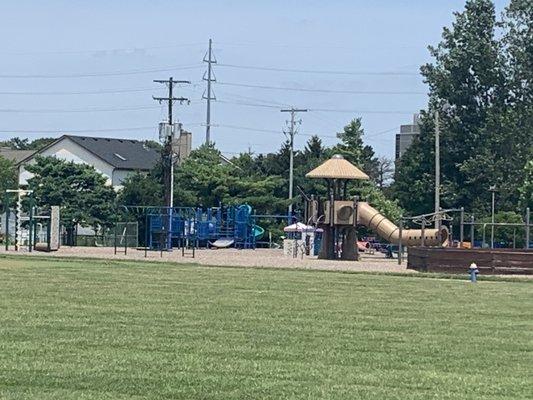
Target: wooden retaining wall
x=453, y=260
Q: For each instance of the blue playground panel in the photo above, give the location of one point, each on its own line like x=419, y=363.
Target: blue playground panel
x=203, y=226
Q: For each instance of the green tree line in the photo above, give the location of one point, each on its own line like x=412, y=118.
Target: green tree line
x=480, y=82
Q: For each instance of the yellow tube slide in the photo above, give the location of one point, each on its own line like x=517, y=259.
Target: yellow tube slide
x=374, y=220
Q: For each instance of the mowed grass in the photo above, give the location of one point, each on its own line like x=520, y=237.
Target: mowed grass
x=119, y=330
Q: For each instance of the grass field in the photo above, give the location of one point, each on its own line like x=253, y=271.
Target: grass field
x=97, y=330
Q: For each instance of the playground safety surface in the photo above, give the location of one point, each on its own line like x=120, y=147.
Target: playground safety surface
x=267, y=258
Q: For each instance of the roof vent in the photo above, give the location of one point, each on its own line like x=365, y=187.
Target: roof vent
x=119, y=156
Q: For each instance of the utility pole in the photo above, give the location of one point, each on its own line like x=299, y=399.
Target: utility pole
x=167, y=153
x=209, y=77
x=437, y=171
x=292, y=132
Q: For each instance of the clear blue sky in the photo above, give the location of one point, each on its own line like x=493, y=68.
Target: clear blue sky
x=92, y=37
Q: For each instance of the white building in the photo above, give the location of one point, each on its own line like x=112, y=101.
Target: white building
x=113, y=158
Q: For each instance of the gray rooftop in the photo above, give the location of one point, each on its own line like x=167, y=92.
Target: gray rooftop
x=120, y=153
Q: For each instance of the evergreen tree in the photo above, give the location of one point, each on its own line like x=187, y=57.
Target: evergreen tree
x=353, y=149
x=8, y=178
x=141, y=189
x=81, y=191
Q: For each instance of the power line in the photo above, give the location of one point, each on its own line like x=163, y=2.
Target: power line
x=247, y=128
x=112, y=73
x=360, y=111
x=135, y=128
x=329, y=72
x=322, y=90
x=81, y=110
x=241, y=103
x=115, y=50
x=317, y=45
x=37, y=131
x=319, y=109
x=240, y=97
x=60, y=93
x=372, y=135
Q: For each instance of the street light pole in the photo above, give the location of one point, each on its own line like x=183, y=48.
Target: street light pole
x=492, y=189
x=437, y=171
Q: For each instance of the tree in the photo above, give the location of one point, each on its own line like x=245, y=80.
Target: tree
x=385, y=169
x=205, y=180
x=526, y=190
x=314, y=148
x=353, y=149
x=506, y=236
x=82, y=192
x=517, y=42
x=201, y=179
x=141, y=189
x=24, y=144
x=8, y=178
x=485, y=138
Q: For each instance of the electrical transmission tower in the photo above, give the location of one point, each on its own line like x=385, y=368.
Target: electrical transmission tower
x=167, y=154
x=292, y=131
x=209, y=77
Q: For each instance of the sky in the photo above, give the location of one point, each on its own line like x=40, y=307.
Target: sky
x=87, y=67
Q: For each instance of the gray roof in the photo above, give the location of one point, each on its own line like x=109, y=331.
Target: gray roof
x=15, y=155
x=120, y=153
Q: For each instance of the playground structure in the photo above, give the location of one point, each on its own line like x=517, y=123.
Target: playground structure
x=338, y=216
x=488, y=258
x=331, y=230
x=37, y=229
x=211, y=227
x=189, y=228
x=430, y=242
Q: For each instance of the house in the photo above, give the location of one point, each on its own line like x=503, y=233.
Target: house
x=113, y=158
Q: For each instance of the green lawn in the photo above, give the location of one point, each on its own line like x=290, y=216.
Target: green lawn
x=96, y=330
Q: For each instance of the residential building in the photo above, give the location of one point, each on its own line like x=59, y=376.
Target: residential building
x=113, y=158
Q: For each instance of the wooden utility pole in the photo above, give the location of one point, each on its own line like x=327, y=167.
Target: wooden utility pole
x=167, y=153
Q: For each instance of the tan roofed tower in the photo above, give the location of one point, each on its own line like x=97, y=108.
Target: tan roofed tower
x=337, y=168
x=336, y=215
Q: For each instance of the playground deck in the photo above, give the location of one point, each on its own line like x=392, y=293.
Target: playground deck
x=267, y=258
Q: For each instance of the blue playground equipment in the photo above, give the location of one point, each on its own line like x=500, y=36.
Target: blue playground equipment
x=198, y=227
